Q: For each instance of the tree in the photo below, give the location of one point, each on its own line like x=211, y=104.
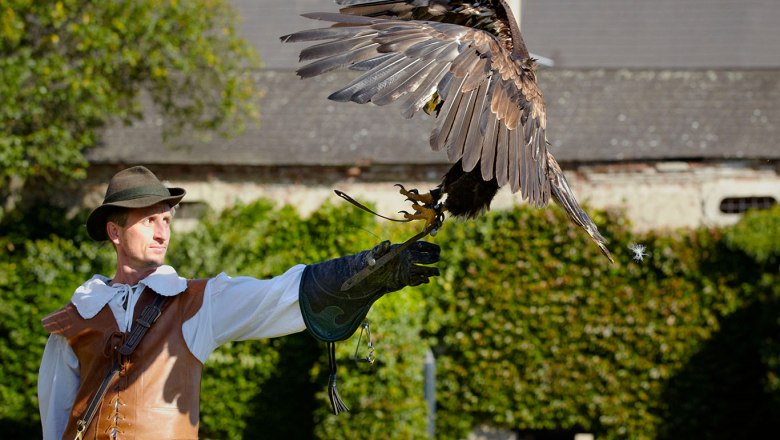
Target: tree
x=70, y=67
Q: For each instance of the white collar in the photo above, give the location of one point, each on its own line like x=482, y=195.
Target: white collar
x=91, y=296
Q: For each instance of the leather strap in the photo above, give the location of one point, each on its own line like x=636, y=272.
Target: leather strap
x=149, y=315
x=142, y=324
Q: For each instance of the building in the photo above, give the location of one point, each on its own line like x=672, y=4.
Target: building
x=669, y=110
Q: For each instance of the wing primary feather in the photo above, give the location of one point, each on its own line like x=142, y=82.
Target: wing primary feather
x=528, y=129
x=543, y=168
x=443, y=88
x=512, y=160
x=335, y=47
x=535, y=177
x=540, y=175
x=419, y=97
x=373, y=79
x=401, y=44
x=377, y=73
x=424, y=49
x=488, y=159
x=457, y=137
x=487, y=109
x=337, y=61
x=446, y=114
x=404, y=83
x=372, y=62
x=328, y=33
x=448, y=51
x=472, y=149
x=527, y=177
x=502, y=155
x=395, y=32
x=537, y=152
x=390, y=77
x=339, y=18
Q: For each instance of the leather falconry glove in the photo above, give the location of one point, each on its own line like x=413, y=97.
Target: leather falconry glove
x=333, y=315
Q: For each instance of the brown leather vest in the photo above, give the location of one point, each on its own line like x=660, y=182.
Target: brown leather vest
x=157, y=393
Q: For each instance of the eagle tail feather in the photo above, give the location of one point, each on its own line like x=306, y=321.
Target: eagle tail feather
x=564, y=196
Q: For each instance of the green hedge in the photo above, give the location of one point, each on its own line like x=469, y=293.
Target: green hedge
x=532, y=328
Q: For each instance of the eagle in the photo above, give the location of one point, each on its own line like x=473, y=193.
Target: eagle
x=465, y=62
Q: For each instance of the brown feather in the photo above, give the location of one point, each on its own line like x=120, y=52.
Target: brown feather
x=457, y=136
x=418, y=98
x=372, y=76
x=390, y=77
x=502, y=155
x=449, y=110
x=404, y=83
x=512, y=161
x=472, y=149
x=488, y=159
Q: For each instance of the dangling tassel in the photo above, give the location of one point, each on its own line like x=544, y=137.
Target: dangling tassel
x=336, y=403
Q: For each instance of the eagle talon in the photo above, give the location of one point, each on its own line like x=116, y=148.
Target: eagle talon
x=413, y=195
x=426, y=207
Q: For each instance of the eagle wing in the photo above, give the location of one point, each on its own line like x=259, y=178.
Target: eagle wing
x=491, y=114
x=493, y=16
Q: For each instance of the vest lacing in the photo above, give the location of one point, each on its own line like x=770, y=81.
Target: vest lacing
x=115, y=417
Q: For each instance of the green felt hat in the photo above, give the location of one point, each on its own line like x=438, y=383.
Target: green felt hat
x=135, y=187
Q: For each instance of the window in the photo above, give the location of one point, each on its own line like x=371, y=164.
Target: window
x=739, y=205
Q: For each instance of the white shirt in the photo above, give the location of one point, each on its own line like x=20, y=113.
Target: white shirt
x=233, y=309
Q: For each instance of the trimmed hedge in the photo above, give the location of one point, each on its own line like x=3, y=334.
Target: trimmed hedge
x=532, y=328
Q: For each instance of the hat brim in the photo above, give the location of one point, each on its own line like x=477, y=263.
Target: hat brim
x=96, y=222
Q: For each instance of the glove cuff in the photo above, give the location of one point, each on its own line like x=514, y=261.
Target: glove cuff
x=331, y=314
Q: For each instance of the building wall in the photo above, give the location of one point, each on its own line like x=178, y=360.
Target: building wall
x=660, y=195
x=668, y=195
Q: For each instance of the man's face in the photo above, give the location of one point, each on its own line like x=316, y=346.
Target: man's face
x=143, y=241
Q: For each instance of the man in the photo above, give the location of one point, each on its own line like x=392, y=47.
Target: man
x=124, y=357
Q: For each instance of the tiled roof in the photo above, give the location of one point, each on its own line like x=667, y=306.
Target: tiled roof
x=585, y=33
x=593, y=115
x=663, y=114
x=654, y=34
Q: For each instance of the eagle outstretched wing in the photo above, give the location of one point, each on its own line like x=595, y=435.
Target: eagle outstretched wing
x=465, y=61
x=491, y=111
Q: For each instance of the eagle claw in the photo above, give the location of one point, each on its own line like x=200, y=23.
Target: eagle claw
x=426, y=207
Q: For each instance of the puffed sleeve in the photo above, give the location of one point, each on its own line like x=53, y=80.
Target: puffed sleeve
x=58, y=383
x=241, y=308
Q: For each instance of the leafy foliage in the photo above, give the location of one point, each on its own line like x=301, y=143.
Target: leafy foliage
x=69, y=67
x=758, y=235
x=532, y=329
x=36, y=277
